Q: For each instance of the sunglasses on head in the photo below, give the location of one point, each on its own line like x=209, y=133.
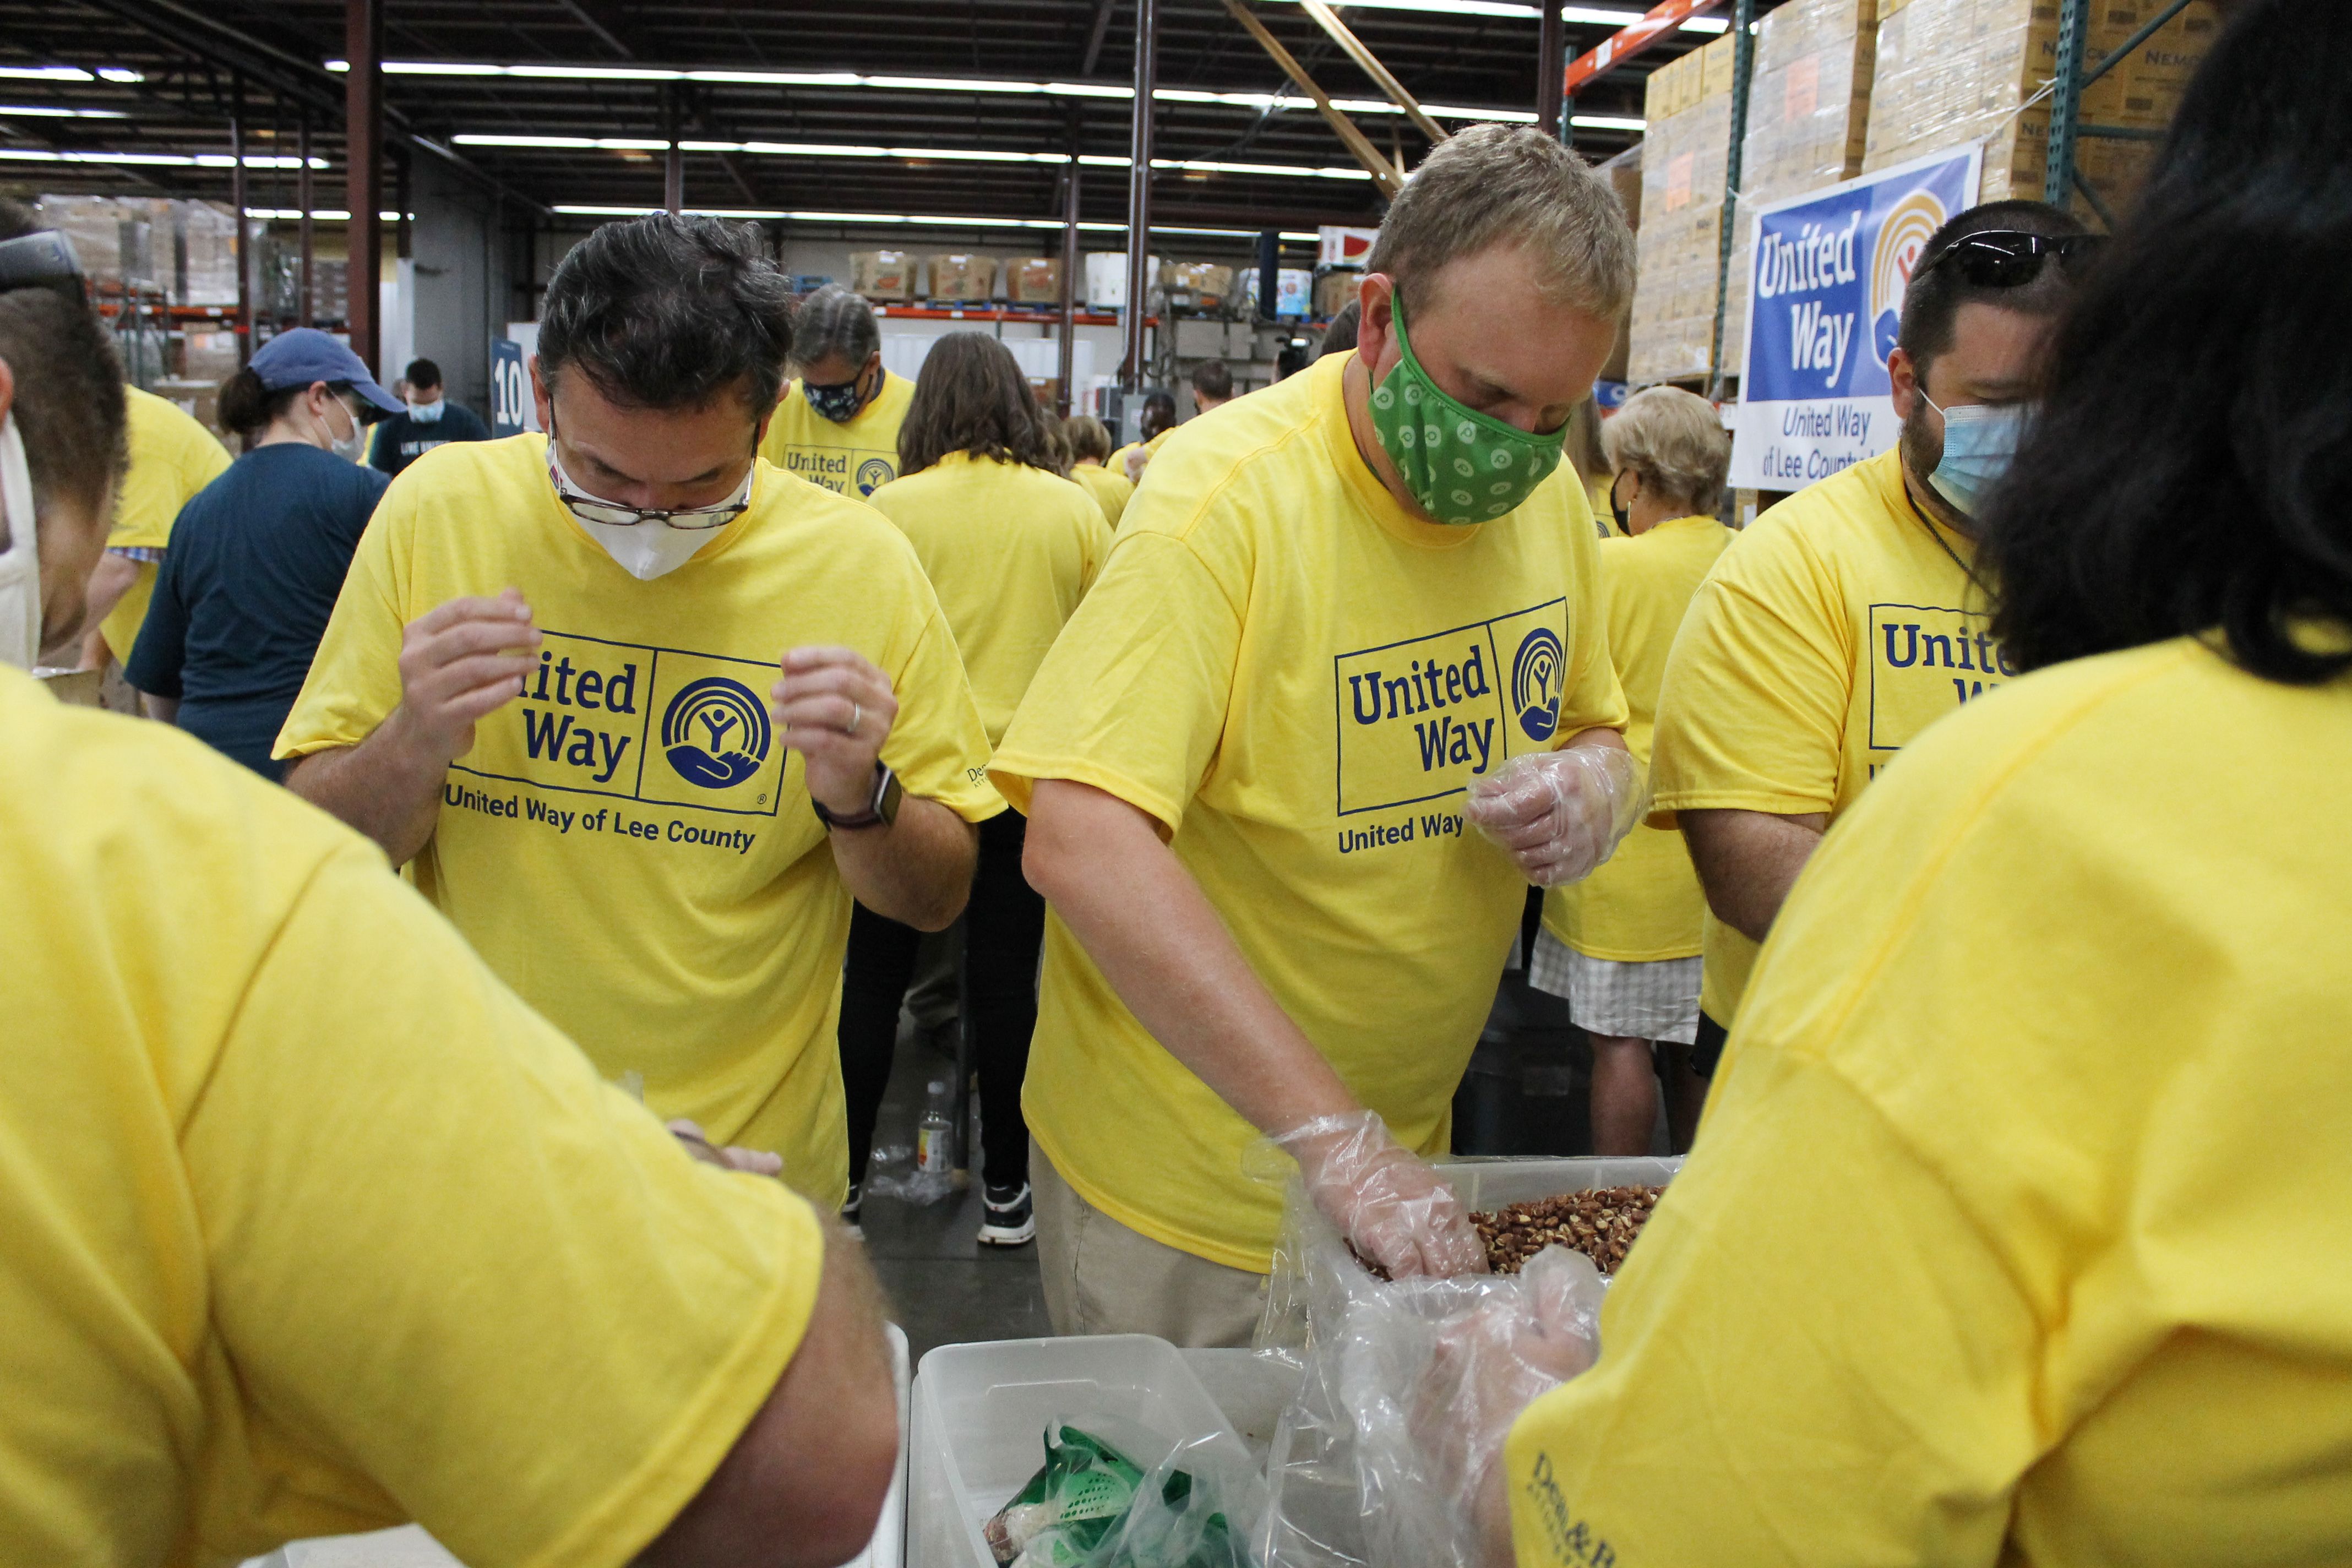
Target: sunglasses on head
x=41, y=259
x=2011, y=259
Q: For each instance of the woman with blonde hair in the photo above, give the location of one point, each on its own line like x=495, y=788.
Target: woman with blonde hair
x=1089, y=448
x=1010, y=545
x=1623, y=945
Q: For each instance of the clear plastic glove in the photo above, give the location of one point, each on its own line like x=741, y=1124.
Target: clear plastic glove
x=1392, y=1208
x=1489, y=1364
x=1559, y=813
x=730, y=1157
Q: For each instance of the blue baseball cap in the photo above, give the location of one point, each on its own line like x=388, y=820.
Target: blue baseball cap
x=306, y=355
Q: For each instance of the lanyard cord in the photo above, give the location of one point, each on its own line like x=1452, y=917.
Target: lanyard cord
x=1943, y=545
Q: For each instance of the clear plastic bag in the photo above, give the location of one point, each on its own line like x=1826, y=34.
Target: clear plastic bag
x=1093, y=1507
x=1383, y=1459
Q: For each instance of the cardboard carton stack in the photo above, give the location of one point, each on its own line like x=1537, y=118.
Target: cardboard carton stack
x=1950, y=71
x=960, y=278
x=1808, y=120
x=884, y=277
x=1034, y=280
x=1684, y=157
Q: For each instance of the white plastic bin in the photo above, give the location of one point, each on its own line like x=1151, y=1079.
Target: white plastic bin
x=1489, y=1183
x=981, y=1410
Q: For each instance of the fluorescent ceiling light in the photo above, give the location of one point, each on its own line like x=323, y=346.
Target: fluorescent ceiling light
x=169, y=160
x=46, y=73
x=317, y=215
x=1610, y=121
x=1259, y=101
x=916, y=155
x=51, y=111
x=119, y=73
x=913, y=220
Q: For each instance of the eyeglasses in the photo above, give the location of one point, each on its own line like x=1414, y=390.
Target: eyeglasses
x=2011, y=259
x=588, y=509
x=42, y=260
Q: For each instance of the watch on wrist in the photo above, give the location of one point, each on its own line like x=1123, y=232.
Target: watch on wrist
x=881, y=811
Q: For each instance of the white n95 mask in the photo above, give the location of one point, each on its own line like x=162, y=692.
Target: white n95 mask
x=644, y=550
x=20, y=563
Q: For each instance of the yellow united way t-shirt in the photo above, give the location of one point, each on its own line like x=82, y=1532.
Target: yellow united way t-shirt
x=2017, y=1228
x=1010, y=550
x=1110, y=491
x=1643, y=904
x=854, y=457
x=310, y=1226
x=1299, y=680
x=629, y=845
x=172, y=458
x=1835, y=629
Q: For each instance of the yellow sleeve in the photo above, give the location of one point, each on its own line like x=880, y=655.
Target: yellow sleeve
x=1593, y=698
x=354, y=679
x=1095, y=541
x=1751, y=714
x=449, y=1263
x=938, y=747
x=1132, y=697
x=1812, y=1357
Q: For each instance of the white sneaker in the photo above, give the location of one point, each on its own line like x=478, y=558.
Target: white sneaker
x=1008, y=1218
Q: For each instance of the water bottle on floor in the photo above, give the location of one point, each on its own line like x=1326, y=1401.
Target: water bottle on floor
x=935, y=1134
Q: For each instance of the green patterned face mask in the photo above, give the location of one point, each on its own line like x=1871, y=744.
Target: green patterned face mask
x=1462, y=466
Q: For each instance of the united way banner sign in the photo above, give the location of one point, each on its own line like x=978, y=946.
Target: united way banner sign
x=1826, y=276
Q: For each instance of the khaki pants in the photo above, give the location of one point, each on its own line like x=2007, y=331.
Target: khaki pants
x=1103, y=1277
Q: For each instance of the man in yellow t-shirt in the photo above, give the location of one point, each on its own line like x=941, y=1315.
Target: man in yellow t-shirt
x=550, y=689
x=1623, y=945
x=303, y=1204
x=1257, y=765
x=1849, y=617
x=172, y=458
x=837, y=425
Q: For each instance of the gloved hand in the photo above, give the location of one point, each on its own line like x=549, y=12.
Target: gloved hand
x=1559, y=813
x=1392, y=1208
x=1490, y=1363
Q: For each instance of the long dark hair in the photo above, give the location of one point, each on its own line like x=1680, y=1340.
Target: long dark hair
x=2191, y=468
x=972, y=398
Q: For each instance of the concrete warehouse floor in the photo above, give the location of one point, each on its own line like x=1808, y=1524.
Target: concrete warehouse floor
x=945, y=1287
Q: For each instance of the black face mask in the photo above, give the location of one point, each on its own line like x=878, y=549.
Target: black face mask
x=1623, y=513
x=840, y=402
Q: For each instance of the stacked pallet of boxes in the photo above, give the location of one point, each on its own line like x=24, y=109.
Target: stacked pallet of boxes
x=1808, y=118
x=1684, y=157
x=1950, y=71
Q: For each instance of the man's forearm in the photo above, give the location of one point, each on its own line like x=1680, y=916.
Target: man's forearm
x=1747, y=861
x=1157, y=939
x=385, y=786
x=917, y=871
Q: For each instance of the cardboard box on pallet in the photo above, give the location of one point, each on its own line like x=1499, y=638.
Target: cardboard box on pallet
x=884, y=277
x=961, y=278
x=1686, y=156
x=1950, y=71
x=1034, y=280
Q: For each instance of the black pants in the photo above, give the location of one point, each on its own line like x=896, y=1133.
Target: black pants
x=1004, y=928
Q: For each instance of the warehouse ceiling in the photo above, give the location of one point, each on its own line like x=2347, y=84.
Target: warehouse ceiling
x=951, y=107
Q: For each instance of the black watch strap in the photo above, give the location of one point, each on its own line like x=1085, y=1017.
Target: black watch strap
x=881, y=811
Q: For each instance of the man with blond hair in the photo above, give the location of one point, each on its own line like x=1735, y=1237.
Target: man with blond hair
x=1357, y=616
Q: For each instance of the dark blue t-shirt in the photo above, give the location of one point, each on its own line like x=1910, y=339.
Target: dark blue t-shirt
x=401, y=438
x=255, y=561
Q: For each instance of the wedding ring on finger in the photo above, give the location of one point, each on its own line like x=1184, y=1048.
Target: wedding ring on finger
x=857, y=716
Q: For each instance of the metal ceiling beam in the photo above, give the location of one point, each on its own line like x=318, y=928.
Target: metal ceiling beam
x=1328, y=20
x=604, y=20
x=1103, y=8
x=1384, y=174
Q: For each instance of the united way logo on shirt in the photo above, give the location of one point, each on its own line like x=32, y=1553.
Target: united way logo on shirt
x=1420, y=720
x=873, y=474
x=1539, y=677
x=594, y=708
x=715, y=733
x=1925, y=661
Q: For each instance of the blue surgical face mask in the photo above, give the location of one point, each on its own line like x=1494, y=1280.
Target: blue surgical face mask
x=1980, y=441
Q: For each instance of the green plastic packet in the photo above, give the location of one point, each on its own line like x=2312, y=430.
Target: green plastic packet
x=1068, y=1507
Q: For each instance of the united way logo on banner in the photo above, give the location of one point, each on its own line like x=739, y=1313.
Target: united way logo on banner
x=1827, y=275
